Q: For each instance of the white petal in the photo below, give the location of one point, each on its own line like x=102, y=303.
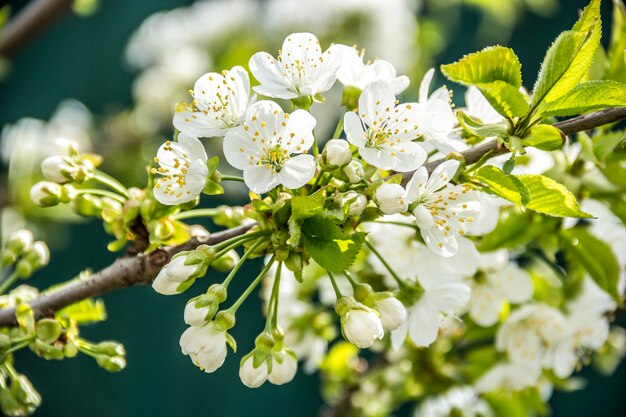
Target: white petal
x=193, y=146
x=354, y=129
x=423, y=324
x=376, y=100
x=298, y=134
x=416, y=187
x=260, y=179
x=398, y=336
x=442, y=175
x=238, y=147
x=448, y=297
x=439, y=243
x=486, y=306
x=425, y=85
x=297, y=171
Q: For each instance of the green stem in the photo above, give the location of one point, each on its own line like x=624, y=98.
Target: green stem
x=243, y=259
x=338, y=293
x=272, y=308
x=352, y=281
x=195, y=213
x=19, y=346
x=384, y=262
x=316, y=150
x=104, y=193
x=233, y=309
x=111, y=182
x=412, y=226
x=6, y=284
x=231, y=178
x=317, y=182
x=235, y=239
x=339, y=128
x=10, y=370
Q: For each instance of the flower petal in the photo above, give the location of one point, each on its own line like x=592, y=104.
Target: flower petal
x=297, y=171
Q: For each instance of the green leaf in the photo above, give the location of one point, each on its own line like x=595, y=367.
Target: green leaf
x=569, y=57
x=515, y=229
x=616, y=68
x=25, y=318
x=328, y=245
x=597, y=258
x=85, y=311
x=505, y=98
x=604, y=144
x=496, y=182
x=303, y=207
x=549, y=197
x=478, y=129
x=495, y=63
x=592, y=95
x=212, y=164
x=544, y=137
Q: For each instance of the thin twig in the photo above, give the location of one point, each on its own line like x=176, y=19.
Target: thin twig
x=30, y=22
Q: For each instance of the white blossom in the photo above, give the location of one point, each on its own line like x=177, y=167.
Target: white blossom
x=354, y=72
x=182, y=171
x=205, y=345
x=283, y=372
x=425, y=316
x=509, y=376
x=361, y=326
x=337, y=152
x=458, y=401
x=220, y=103
x=500, y=281
x=443, y=211
x=174, y=274
x=301, y=69
x=392, y=312
x=530, y=332
x=391, y=198
x=271, y=147
x=195, y=316
x=253, y=377
x=384, y=132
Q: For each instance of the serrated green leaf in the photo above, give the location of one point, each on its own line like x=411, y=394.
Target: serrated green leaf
x=494, y=181
x=303, y=207
x=328, y=245
x=592, y=95
x=616, y=67
x=495, y=63
x=596, y=256
x=544, y=137
x=569, y=57
x=86, y=311
x=549, y=197
x=505, y=98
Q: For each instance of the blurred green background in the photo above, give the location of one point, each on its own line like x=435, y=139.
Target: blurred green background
x=82, y=58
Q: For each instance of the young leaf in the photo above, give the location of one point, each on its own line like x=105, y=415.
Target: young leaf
x=328, y=245
x=478, y=129
x=569, y=57
x=592, y=95
x=505, y=98
x=495, y=181
x=85, y=311
x=596, y=257
x=301, y=208
x=616, y=67
x=544, y=137
x=549, y=197
x=495, y=63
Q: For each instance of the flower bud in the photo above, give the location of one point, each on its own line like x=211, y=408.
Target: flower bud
x=111, y=363
x=226, y=262
x=391, y=199
x=110, y=348
x=361, y=326
x=34, y=258
x=87, y=205
x=250, y=376
x=337, y=153
x=205, y=345
x=357, y=202
x=283, y=371
x=392, y=312
x=179, y=270
x=350, y=97
x=196, y=316
x=21, y=399
x=354, y=171
x=59, y=169
x=46, y=194
x=16, y=244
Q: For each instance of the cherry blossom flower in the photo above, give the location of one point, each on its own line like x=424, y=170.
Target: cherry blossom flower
x=205, y=345
x=220, y=102
x=301, y=69
x=271, y=147
x=354, y=72
x=182, y=170
x=443, y=211
x=384, y=132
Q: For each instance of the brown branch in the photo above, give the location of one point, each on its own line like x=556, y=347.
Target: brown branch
x=142, y=269
x=124, y=272
x=29, y=23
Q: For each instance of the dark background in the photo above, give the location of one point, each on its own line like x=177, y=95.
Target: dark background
x=82, y=58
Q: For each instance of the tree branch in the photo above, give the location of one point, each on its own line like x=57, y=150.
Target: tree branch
x=142, y=269
x=124, y=272
x=29, y=23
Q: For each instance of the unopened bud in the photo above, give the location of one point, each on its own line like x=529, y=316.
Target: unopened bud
x=226, y=262
x=337, y=153
x=46, y=194
x=87, y=205
x=356, y=201
x=111, y=363
x=391, y=199
x=354, y=171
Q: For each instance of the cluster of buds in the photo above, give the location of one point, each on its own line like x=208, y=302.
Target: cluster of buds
x=24, y=253
x=70, y=167
x=270, y=360
x=18, y=397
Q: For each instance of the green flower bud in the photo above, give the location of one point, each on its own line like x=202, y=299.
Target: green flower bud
x=226, y=262
x=34, y=258
x=46, y=194
x=344, y=304
x=47, y=330
x=218, y=291
x=264, y=342
x=362, y=293
x=110, y=348
x=10, y=405
x=225, y=320
x=87, y=205
x=303, y=102
x=24, y=392
x=5, y=342
x=111, y=363
x=350, y=97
